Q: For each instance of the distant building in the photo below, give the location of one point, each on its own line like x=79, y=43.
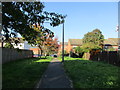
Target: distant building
x=73, y=43
x=111, y=42
x=24, y=45
x=108, y=43
x=21, y=44
x=36, y=51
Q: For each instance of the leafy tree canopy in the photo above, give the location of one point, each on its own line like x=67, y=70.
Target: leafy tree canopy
x=93, y=40
x=18, y=17
x=94, y=37
x=90, y=46
x=78, y=50
x=50, y=46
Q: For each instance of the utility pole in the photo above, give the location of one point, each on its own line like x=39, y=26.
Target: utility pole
x=118, y=26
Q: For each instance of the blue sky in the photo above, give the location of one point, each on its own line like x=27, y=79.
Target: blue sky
x=83, y=17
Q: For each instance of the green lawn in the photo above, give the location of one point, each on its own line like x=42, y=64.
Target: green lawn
x=92, y=74
x=70, y=58
x=23, y=73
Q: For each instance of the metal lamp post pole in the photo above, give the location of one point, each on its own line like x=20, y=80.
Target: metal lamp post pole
x=63, y=44
x=118, y=28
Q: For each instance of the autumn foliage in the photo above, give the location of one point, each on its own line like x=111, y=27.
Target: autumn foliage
x=50, y=46
x=45, y=40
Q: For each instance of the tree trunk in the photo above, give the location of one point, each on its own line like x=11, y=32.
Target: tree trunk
x=40, y=51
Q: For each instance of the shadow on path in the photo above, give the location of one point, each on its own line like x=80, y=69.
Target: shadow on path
x=54, y=76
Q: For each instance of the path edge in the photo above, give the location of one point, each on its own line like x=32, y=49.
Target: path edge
x=71, y=82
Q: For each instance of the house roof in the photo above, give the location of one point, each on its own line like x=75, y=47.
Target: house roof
x=111, y=41
x=75, y=41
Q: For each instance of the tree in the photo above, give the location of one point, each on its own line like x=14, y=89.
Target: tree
x=78, y=50
x=87, y=47
x=42, y=36
x=94, y=37
x=18, y=17
x=51, y=46
x=47, y=43
x=54, y=45
x=44, y=40
x=93, y=40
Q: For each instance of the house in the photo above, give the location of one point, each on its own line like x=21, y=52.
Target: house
x=111, y=43
x=23, y=45
x=36, y=51
x=73, y=43
x=68, y=46
x=108, y=43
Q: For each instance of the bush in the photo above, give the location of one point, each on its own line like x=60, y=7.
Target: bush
x=79, y=51
x=88, y=47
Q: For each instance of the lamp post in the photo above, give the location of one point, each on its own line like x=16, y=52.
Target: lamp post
x=118, y=39
x=118, y=30
x=63, y=44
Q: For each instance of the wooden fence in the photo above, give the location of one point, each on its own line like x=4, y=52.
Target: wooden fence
x=111, y=57
x=15, y=54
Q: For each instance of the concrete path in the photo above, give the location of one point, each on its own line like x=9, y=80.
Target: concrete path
x=54, y=77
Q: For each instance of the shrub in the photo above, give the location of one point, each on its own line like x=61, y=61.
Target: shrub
x=88, y=47
x=79, y=51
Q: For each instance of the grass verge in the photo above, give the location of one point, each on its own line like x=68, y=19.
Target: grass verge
x=70, y=58
x=23, y=73
x=89, y=74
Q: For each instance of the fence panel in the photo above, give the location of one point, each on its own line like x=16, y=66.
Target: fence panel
x=15, y=54
x=111, y=57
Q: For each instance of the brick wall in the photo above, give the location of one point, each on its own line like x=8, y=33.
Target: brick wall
x=60, y=49
x=35, y=50
x=69, y=47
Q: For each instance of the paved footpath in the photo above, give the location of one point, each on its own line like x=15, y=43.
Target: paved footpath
x=54, y=76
